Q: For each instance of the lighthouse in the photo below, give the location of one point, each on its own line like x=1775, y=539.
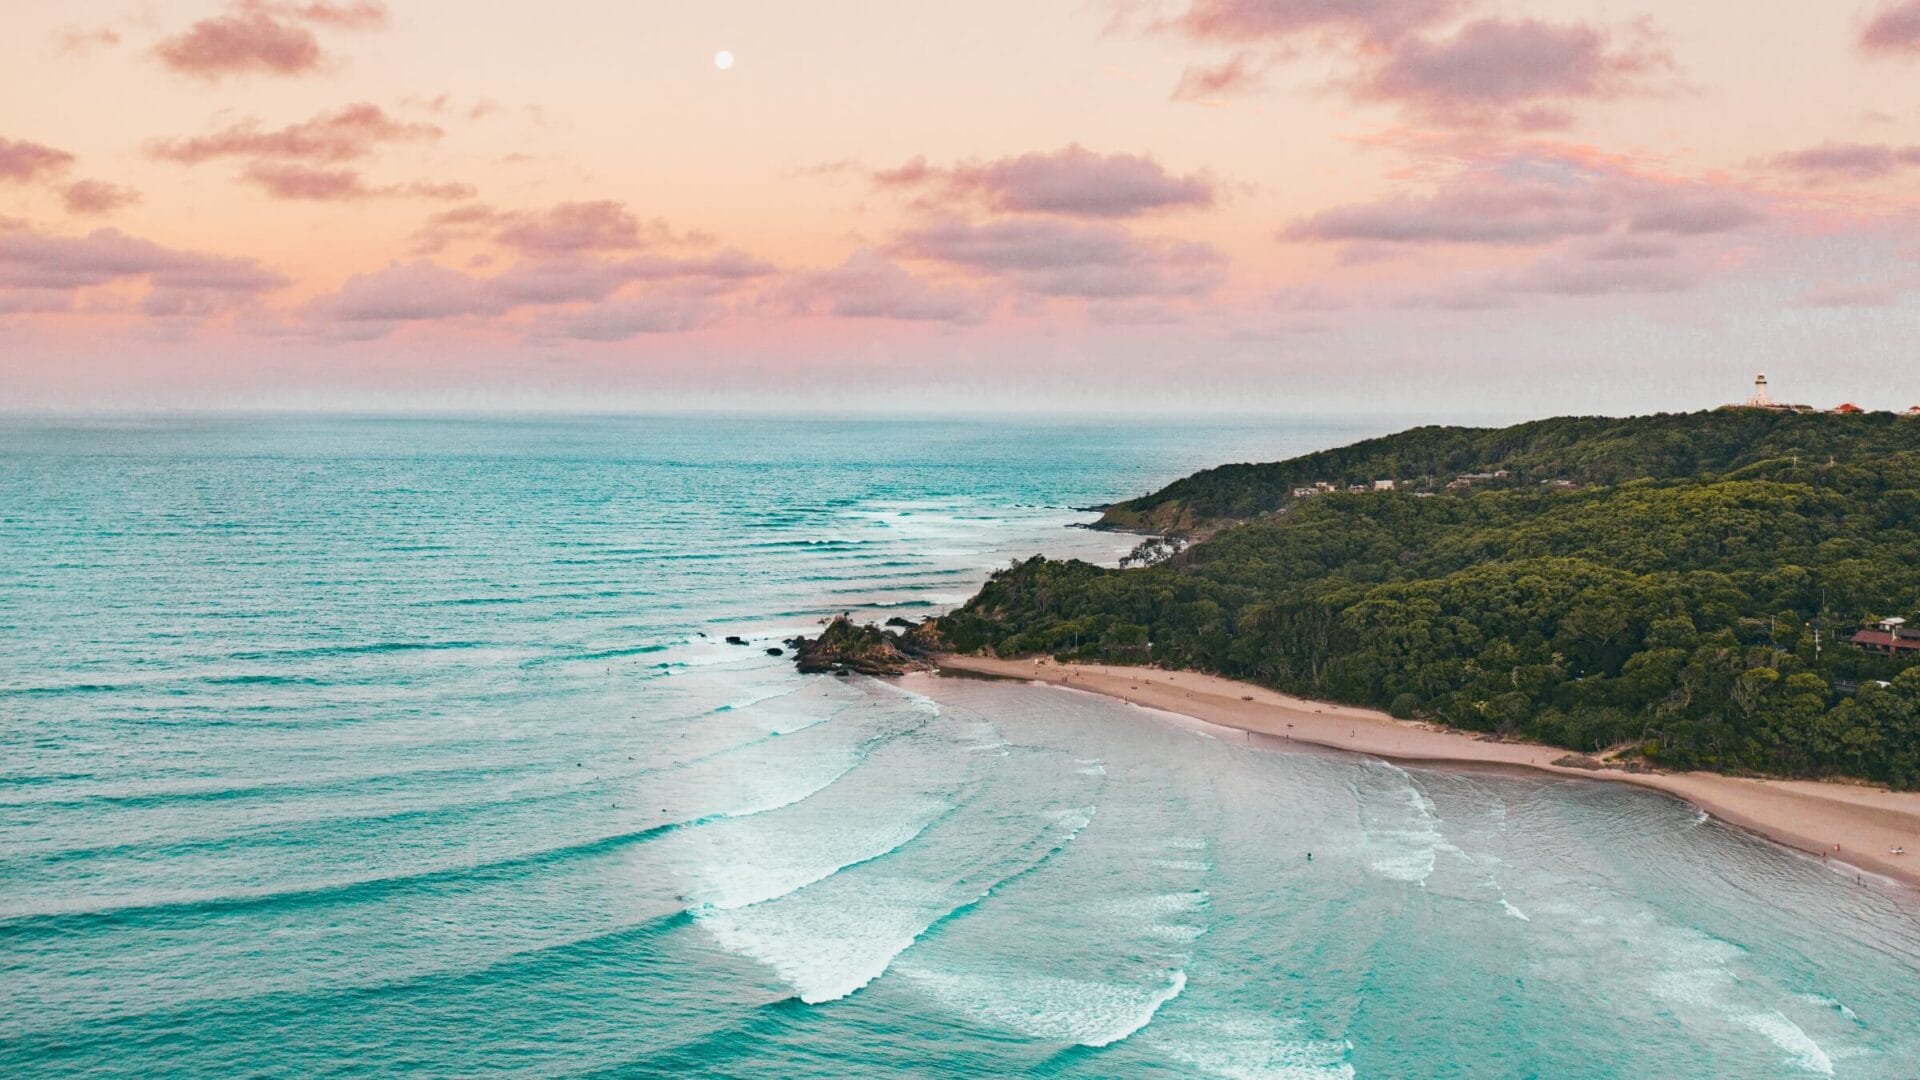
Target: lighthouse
x=1761, y=399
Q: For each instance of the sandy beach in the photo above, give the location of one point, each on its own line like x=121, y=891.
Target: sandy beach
x=1852, y=824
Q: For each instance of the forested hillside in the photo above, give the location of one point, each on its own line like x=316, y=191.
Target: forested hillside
x=1580, y=449
x=1692, y=601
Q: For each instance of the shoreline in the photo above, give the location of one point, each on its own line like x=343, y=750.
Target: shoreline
x=1810, y=816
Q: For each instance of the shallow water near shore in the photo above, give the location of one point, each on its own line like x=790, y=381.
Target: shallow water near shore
x=346, y=746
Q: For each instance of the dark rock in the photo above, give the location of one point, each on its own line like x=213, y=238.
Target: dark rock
x=846, y=647
x=735, y=639
x=776, y=651
x=898, y=621
x=922, y=641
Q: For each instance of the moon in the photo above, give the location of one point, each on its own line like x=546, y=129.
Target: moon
x=723, y=59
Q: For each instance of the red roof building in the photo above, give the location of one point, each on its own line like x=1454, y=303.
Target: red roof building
x=1890, y=642
x=1848, y=408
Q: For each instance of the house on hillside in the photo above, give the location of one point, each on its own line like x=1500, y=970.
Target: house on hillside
x=1472, y=478
x=1889, y=637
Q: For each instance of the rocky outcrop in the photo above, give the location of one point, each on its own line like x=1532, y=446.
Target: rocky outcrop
x=846, y=647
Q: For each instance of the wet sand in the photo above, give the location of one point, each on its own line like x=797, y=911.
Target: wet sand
x=1854, y=824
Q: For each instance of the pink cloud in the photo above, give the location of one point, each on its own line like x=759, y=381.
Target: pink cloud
x=32, y=301
x=1621, y=248
x=1596, y=228
x=1491, y=66
x=1895, y=29
x=1064, y=259
x=97, y=197
x=1578, y=274
x=561, y=280
x=442, y=190
x=406, y=292
x=1849, y=161
x=1241, y=73
x=870, y=286
x=602, y=225
x=573, y=295
x=561, y=229
x=1696, y=210
x=447, y=226
x=1517, y=72
x=24, y=161
x=256, y=36
x=730, y=264
x=1249, y=20
x=241, y=41
x=1532, y=202
x=570, y=278
x=360, y=15
x=1472, y=209
x=42, y=271
x=306, y=183
x=566, y=228
x=341, y=135
x=622, y=320
x=1074, y=181
x=80, y=42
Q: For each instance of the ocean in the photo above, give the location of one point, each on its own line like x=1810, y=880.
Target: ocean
x=347, y=746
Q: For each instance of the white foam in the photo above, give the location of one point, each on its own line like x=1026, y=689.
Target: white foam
x=1703, y=979
x=765, y=694
x=1180, y=903
x=829, y=947
x=737, y=863
x=1826, y=1002
x=1247, y=1046
x=761, y=800
x=1064, y=1010
x=1402, y=846
x=1788, y=1036
x=799, y=725
x=919, y=701
x=1185, y=866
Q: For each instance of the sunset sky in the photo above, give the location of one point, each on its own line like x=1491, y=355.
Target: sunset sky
x=1525, y=206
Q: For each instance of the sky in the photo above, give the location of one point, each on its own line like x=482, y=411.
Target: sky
x=1095, y=206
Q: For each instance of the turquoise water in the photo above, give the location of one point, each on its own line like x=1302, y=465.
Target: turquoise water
x=377, y=746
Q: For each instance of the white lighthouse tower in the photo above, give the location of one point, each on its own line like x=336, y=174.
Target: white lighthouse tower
x=1761, y=399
